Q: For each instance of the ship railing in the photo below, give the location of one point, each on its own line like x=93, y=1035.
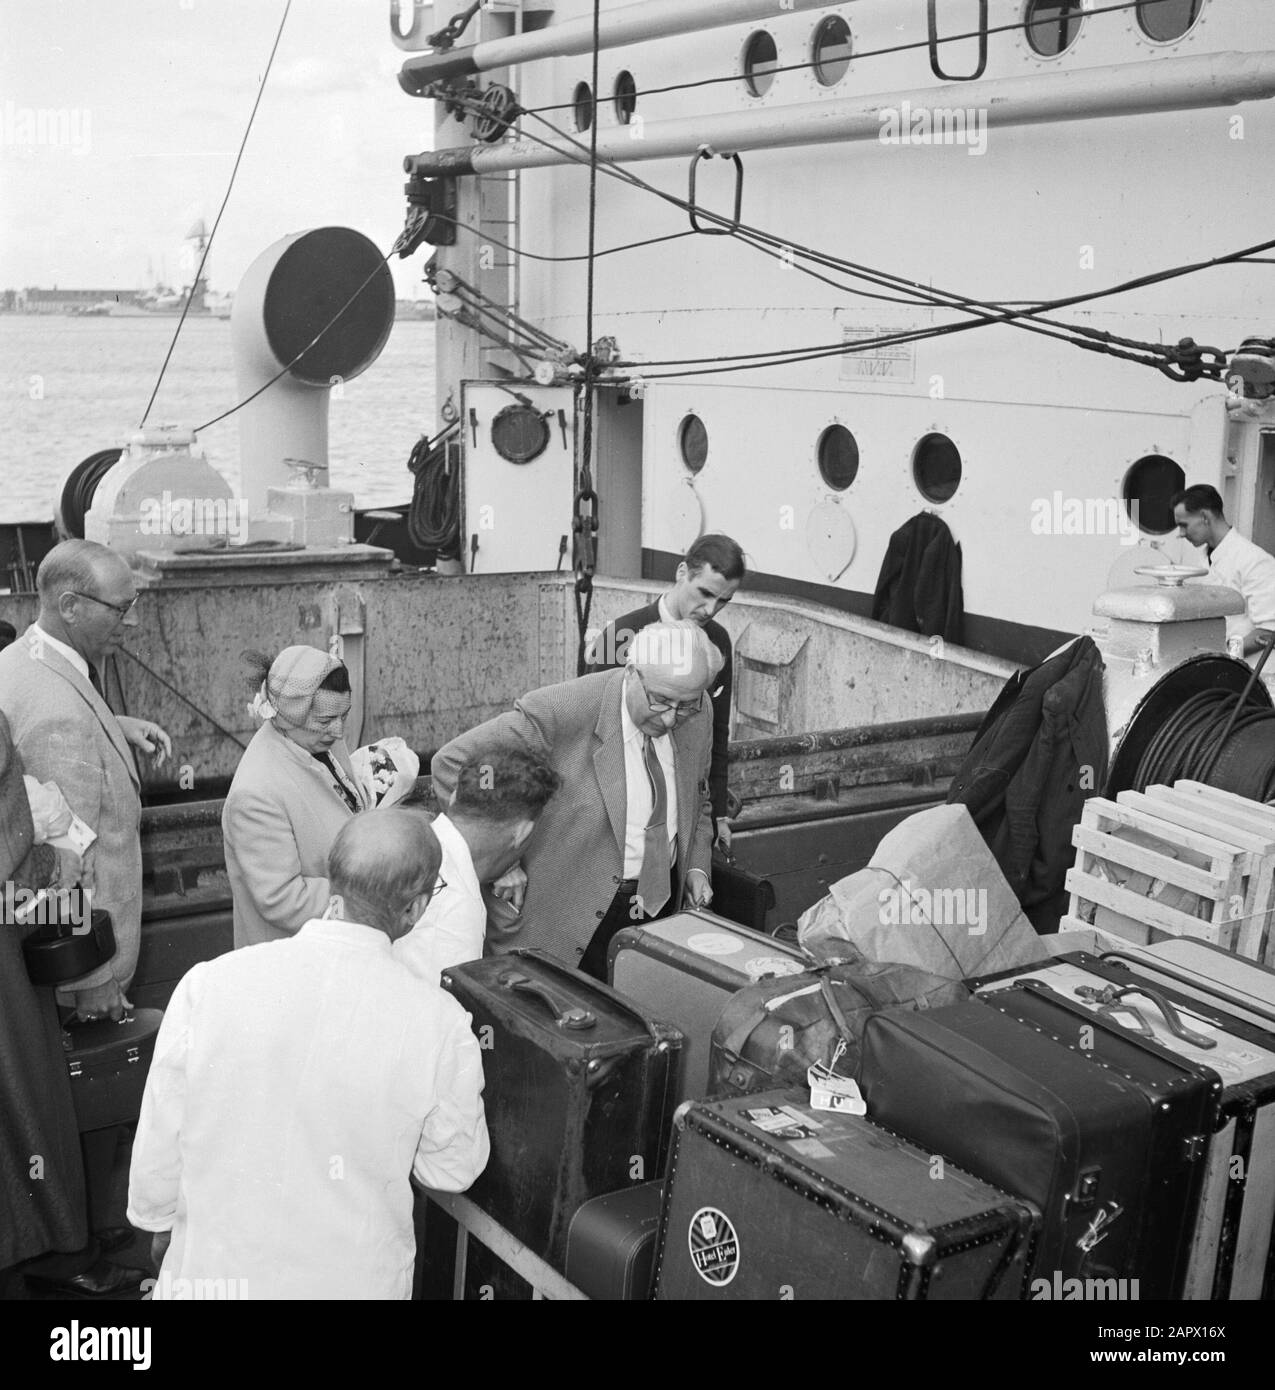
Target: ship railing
x=473, y=1222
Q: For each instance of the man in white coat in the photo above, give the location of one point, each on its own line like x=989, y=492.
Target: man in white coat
x=297, y=1083
x=498, y=797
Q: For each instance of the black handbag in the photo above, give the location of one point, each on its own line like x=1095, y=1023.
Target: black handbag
x=64, y=950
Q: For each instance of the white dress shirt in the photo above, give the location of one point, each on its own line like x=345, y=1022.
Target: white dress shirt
x=67, y=653
x=1239, y=564
x=454, y=926
x=637, y=786
x=295, y=1086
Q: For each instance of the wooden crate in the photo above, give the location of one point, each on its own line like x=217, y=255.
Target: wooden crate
x=1186, y=859
x=1241, y=822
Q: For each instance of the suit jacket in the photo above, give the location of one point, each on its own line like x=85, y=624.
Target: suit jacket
x=609, y=645
x=65, y=733
x=575, y=857
x=280, y=818
x=44, y=1211
x=1040, y=754
x=919, y=587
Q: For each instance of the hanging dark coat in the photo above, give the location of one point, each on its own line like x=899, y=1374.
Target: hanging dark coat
x=919, y=587
x=1040, y=753
x=42, y=1201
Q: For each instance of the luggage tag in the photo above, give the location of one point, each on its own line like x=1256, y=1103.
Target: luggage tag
x=828, y=1091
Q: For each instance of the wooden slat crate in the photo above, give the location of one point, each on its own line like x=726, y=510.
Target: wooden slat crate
x=1167, y=843
x=1176, y=861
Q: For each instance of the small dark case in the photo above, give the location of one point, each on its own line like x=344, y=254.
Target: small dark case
x=108, y=1063
x=611, y=1244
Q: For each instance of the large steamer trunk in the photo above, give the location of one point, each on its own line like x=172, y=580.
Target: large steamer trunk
x=1183, y=1097
x=579, y=1092
x=1023, y=1112
x=771, y=1199
x=1231, y=1244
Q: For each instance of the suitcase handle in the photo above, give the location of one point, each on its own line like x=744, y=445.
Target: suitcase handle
x=566, y=1013
x=1112, y=997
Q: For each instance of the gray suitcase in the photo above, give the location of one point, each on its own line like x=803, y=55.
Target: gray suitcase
x=1241, y=987
x=684, y=968
x=1231, y=1243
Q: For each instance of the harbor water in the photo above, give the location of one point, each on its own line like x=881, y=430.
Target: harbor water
x=72, y=386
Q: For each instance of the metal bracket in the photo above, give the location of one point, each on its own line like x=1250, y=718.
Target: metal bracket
x=707, y=152
x=936, y=67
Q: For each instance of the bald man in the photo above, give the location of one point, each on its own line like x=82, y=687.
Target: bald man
x=297, y=1083
x=628, y=837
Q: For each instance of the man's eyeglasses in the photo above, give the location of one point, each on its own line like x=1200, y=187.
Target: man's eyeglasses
x=123, y=609
x=659, y=706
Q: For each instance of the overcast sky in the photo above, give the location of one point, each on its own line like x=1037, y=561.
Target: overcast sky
x=151, y=98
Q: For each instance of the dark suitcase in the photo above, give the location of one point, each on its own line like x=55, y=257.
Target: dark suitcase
x=1231, y=1244
x=741, y=896
x=1184, y=1099
x=611, y=1243
x=579, y=1092
x=1010, y=1104
x=685, y=968
x=108, y=1063
x=771, y=1199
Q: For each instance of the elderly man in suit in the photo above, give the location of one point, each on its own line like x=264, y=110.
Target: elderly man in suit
x=64, y=731
x=629, y=834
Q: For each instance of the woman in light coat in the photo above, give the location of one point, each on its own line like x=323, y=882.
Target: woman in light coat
x=293, y=791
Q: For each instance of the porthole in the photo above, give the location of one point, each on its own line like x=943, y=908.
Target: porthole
x=583, y=100
x=936, y=467
x=625, y=98
x=761, y=57
x=831, y=50
x=1051, y=26
x=692, y=442
x=838, y=455
x=1166, y=20
x=1146, y=490
x=519, y=433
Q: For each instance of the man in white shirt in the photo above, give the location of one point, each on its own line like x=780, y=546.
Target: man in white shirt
x=296, y=1084
x=498, y=798
x=1233, y=562
x=628, y=837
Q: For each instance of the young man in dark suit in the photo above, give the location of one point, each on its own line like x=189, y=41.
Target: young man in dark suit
x=707, y=578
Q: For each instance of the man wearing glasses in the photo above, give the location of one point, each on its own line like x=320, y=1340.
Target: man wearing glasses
x=65, y=733
x=51, y=690
x=629, y=835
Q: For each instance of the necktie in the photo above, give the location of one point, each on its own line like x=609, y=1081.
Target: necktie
x=96, y=681
x=653, y=881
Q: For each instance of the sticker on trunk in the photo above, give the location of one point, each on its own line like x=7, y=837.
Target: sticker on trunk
x=783, y=1122
x=764, y=967
x=713, y=943
x=714, y=1247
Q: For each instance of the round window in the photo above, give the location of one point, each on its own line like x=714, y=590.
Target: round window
x=838, y=457
x=761, y=57
x=583, y=100
x=1146, y=490
x=625, y=98
x=692, y=441
x=831, y=50
x=519, y=433
x=1165, y=20
x=936, y=467
x=1052, y=25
